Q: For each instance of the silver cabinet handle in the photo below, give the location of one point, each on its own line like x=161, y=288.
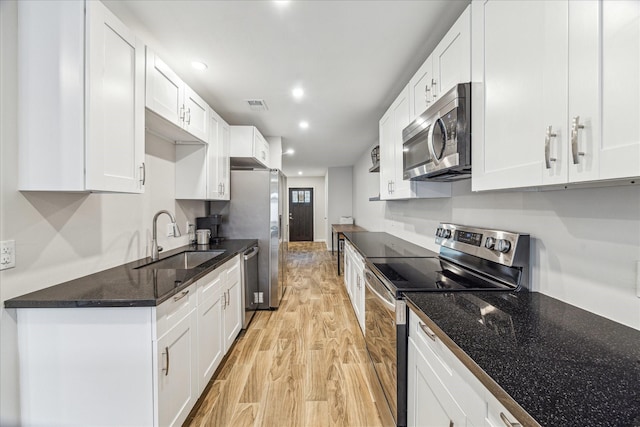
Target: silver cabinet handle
x=166, y=369
x=508, y=423
x=575, y=127
x=188, y=116
x=228, y=297
x=182, y=295
x=181, y=114
x=547, y=147
x=427, y=98
x=427, y=331
x=224, y=300
x=434, y=83
x=143, y=173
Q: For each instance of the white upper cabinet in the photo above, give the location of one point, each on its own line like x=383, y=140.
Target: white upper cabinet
x=176, y=112
x=248, y=147
x=576, y=118
x=81, y=71
x=392, y=186
x=202, y=171
x=448, y=65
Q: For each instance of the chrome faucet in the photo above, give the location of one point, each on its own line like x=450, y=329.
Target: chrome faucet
x=155, y=249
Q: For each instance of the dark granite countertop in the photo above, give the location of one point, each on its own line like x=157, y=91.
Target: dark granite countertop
x=124, y=286
x=563, y=365
x=383, y=245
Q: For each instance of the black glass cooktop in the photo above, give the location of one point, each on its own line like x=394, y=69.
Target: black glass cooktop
x=432, y=275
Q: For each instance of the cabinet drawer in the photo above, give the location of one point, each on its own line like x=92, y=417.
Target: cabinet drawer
x=176, y=308
x=208, y=285
x=432, y=348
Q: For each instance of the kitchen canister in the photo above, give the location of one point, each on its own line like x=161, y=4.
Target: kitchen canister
x=203, y=236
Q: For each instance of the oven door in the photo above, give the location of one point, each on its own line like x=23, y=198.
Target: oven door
x=385, y=336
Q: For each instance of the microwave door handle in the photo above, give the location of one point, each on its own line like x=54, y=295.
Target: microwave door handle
x=432, y=152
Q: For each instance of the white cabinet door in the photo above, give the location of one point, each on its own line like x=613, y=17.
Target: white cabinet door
x=261, y=148
x=509, y=127
x=224, y=162
x=114, y=153
x=71, y=94
x=165, y=90
x=584, y=87
x=604, y=59
x=196, y=115
x=387, y=155
x=176, y=372
x=420, y=88
x=214, y=188
x=401, y=189
x=234, y=306
x=452, y=57
x=429, y=403
x=210, y=331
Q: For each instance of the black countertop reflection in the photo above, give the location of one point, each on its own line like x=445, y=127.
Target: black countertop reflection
x=383, y=245
x=563, y=365
x=124, y=286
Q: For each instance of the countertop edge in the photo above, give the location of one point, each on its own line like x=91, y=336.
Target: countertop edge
x=494, y=388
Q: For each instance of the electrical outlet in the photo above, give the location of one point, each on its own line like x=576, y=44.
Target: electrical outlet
x=7, y=254
x=169, y=230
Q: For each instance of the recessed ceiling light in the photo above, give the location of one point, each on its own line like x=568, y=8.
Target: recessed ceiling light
x=299, y=172
x=281, y=3
x=201, y=66
x=289, y=151
x=304, y=125
x=298, y=93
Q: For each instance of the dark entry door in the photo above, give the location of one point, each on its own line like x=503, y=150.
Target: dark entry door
x=301, y=214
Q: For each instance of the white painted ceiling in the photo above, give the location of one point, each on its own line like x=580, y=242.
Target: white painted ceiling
x=351, y=58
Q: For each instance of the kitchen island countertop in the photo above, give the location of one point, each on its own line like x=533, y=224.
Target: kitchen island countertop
x=126, y=286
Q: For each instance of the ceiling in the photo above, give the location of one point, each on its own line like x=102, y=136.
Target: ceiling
x=351, y=58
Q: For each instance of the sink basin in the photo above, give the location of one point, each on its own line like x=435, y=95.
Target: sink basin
x=183, y=260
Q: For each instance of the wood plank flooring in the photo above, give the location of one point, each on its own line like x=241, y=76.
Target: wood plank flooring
x=304, y=364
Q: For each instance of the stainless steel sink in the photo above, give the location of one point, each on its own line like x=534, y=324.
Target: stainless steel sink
x=183, y=260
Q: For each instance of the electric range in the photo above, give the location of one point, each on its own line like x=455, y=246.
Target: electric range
x=470, y=259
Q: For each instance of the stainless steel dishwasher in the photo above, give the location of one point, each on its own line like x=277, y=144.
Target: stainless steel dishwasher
x=250, y=284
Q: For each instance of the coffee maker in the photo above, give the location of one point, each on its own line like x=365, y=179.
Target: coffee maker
x=211, y=222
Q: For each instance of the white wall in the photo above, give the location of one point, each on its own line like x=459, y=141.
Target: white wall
x=319, y=202
x=366, y=184
x=64, y=236
x=585, y=242
x=339, y=196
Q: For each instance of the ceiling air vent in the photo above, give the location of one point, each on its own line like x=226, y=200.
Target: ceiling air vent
x=257, y=104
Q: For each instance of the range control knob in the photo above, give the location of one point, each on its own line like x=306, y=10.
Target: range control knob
x=446, y=233
x=503, y=246
x=490, y=243
x=439, y=232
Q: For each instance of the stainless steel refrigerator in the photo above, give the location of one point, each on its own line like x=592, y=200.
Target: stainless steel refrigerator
x=256, y=210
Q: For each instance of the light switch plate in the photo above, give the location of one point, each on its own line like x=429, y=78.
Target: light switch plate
x=7, y=254
x=169, y=230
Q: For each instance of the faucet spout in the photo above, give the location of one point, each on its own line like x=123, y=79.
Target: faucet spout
x=155, y=249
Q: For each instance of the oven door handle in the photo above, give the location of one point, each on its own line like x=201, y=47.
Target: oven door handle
x=388, y=303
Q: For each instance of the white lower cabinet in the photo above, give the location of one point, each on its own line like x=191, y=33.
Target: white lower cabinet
x=176, y=372
x=354, y=281
x=429, y=403
x=127, y=366
x=210, y=343
x=441, y=391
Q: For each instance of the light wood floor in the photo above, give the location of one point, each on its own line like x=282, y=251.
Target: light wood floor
x=304, y=364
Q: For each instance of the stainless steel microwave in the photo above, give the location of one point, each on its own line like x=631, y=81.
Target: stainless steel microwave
x=437, y=145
